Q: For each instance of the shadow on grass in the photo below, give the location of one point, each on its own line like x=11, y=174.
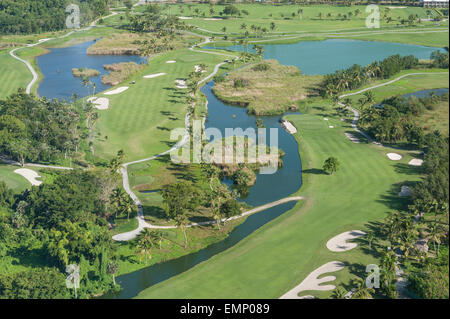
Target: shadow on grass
x=315, y=171
x=407, y=169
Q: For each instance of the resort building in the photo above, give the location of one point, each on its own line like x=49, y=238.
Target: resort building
x=434, y=3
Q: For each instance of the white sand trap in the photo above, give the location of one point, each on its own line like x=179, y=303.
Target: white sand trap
x=288, y=126
x=313, y=283
x=181, y=84
x=185, y=18
x=30, y=175
x=416, y=162
x=101, y=103
x=396, y=7
x=352, y=137
x=404, y=191
x=212, y=19
x=331, y=126
x=117, y=91
x=151, y=76
x=171, y=61
x=325, y=119
x=339, y=243
x=198, y=69
x=394, y=156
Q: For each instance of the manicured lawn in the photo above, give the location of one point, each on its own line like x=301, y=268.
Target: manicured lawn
x=14, y=181
x=14, y=74
x=140, y=119
x=406, y=85
x=282, y=253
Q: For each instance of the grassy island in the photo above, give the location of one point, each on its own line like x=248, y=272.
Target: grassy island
x=84, y=72
x=266, y=88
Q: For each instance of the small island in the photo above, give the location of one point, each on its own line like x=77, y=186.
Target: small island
x=266, y=88
x=84, y=72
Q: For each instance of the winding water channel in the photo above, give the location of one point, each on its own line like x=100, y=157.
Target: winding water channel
x=319, y=57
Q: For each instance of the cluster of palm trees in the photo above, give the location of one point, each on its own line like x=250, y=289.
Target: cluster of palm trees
x=350, y=78
x=148, y=239
x=122, y=203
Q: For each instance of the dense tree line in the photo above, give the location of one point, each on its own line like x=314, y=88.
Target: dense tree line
x=37, y=129
x=62, y=222
x=356, y=76
x=24, y=16
x=395, y=119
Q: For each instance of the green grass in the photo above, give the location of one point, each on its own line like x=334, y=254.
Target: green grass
x=310, y=22
x=406, y=85
x=173, y=245
x=282, y=253
x=14, y=74
x=14, y=181
x=139, y=120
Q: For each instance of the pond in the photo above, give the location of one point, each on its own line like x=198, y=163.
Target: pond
x=323, y=57
x=56, y=66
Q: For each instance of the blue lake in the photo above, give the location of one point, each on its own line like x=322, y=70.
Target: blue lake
x=56, y=66
x=323, y=57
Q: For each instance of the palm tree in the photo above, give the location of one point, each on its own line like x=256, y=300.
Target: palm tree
x=331, y=165
x=127, y=204
x=112, y=269
x=339, y=293
x=272, y=26
x=370, y=237
x=157, y=237
x=145, y=244
x=181, y=221
x=361, y=291
x=259, y=50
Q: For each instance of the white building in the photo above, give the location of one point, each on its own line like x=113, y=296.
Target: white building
x=434, y=3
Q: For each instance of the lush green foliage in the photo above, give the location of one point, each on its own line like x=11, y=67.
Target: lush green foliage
x=396, y=118
x=46, y=283
x=23, y=16
x=36, y=129
x=356, y=76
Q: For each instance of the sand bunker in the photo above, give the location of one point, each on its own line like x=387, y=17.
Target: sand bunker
x=101, y=103
x=212, y=19
x=331, y=126
x=404, y=191
x=171, y=61
x=117, y=91
x=394, y=156
x=198, y=69
x=325, y=119
x=416, y=162
x=185, y=18
x=352, y=137
x=288, y=126
x=181, y=84
x=30, y=175
x=313, y=283
x=396, y=7
x=151, y=76
x=339, y=243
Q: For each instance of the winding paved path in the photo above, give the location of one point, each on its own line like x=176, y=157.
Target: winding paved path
x=140, y=217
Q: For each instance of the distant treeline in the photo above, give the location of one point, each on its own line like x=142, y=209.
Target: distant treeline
x=24, y=16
